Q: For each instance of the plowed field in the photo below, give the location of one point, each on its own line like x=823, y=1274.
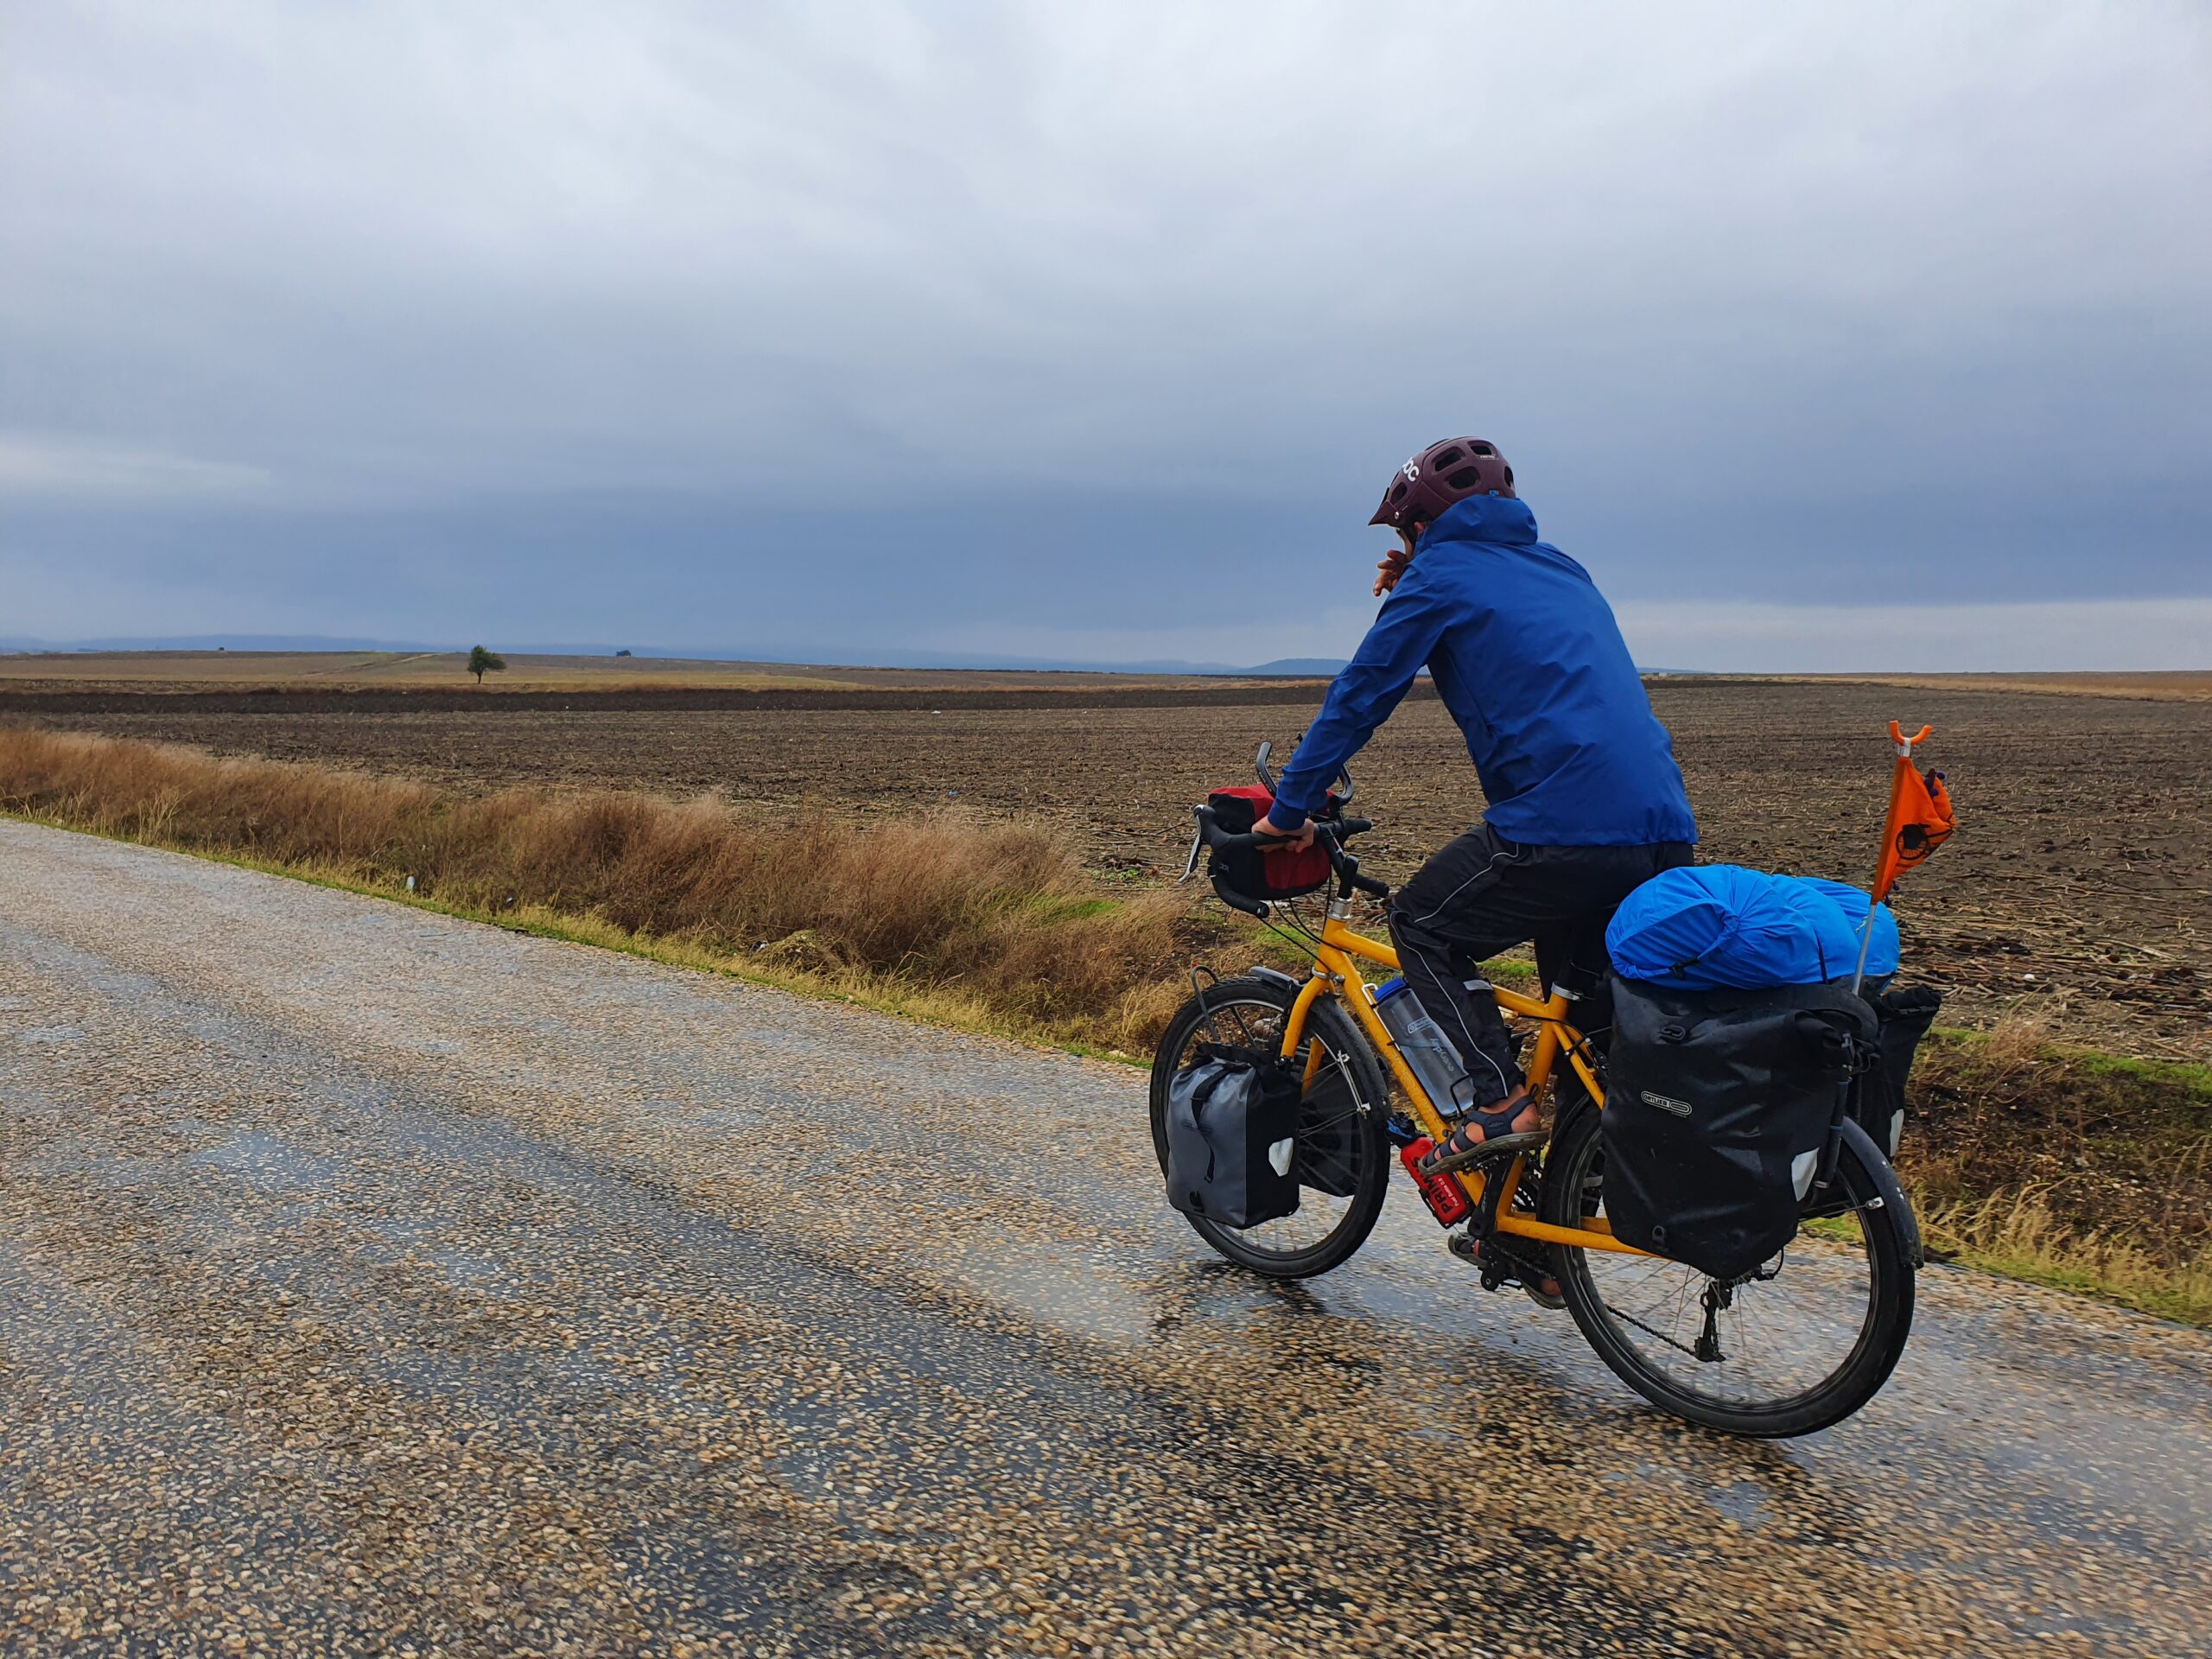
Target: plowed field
x=2079, y=885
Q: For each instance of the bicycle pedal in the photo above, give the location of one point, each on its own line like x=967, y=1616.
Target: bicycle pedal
x=1468, y=1251
x=1499, y=1272
x=1505, y=1148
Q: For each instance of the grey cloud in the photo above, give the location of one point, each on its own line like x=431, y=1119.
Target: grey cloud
x=990, y=321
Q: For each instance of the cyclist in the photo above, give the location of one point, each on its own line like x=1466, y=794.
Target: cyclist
x=1586, y=802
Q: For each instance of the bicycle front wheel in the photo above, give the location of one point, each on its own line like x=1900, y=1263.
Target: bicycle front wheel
x=1343, y=1155
x=1796, y=1347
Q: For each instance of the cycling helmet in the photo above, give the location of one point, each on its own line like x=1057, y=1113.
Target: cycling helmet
x=1444, y=473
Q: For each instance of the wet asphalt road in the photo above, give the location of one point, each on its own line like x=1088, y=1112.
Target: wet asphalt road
x=371, y=1282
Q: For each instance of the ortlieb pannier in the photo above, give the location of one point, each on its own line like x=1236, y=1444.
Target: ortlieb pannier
x=1232, y=1135
x=1878, y=1092
x=1276, y=873
x=1718, y=1106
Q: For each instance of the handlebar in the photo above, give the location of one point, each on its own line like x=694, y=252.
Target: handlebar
x=1337, y=829
x=1331, y=832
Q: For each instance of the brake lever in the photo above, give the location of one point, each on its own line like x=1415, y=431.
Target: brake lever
x=1197, y=841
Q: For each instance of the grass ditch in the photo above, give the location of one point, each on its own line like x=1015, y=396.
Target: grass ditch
x=2088, y=1170
x=1000, y=920
x=2072, y=1168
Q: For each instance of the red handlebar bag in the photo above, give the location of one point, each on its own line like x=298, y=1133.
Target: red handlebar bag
x=1278, y=872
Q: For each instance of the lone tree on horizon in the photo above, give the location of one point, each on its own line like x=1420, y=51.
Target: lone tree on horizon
x=482, y=662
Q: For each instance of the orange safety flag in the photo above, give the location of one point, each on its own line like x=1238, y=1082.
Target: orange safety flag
x=1920, y=818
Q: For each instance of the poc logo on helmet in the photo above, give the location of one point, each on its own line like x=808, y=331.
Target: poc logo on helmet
x=1412, y=469
x=1668, y=1103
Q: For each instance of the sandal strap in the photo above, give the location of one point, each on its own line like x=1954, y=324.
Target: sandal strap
x=1445, y=1161
x=1495, y=1122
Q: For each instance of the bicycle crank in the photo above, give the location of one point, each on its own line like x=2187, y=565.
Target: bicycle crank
x=1499, y=1262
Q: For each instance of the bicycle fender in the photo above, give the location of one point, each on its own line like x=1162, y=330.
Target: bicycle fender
x=1574, y=1111
x=1886, y=1185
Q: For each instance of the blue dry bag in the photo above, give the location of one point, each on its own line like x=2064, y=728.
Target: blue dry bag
x=1883, y=954
x=1722, y=927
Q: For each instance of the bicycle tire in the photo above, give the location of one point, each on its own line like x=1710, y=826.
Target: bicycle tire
x=1335, y=1032
x=1573, y=1188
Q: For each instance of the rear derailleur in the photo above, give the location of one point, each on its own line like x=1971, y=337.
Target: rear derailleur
x=1719, y=1293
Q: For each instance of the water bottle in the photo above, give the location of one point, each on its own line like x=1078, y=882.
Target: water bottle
x=1428, y=1053
x=1447, y=1200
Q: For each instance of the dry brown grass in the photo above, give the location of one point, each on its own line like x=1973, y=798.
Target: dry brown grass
x=1000, y=916
x=2017, y=1233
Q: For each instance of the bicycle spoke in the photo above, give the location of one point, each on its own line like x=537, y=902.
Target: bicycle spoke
x=1630, y=1318
x=1308, y=1125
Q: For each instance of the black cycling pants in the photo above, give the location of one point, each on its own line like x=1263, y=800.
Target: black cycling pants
x=1484, y=894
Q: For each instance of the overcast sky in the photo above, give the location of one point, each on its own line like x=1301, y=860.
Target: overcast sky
x=1095, y=332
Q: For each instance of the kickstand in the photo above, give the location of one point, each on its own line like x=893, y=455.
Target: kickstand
x=1716, y=1297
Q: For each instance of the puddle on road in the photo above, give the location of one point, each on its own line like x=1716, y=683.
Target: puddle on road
x=463, y=1270
x=1078, y=1296
x=266, y=1163
x=1743, y=1502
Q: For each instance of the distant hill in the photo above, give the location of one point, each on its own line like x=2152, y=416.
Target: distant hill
x=289, y=643
x=1282, y=668
x=1321, y=668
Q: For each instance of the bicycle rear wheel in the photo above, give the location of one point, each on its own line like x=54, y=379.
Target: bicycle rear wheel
x=1796, y=1347
x=1343, y=1158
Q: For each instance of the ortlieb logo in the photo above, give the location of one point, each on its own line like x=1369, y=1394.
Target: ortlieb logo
x=1667, y=1103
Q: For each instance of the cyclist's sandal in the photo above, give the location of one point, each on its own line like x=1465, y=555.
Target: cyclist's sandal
x=1479, y=1134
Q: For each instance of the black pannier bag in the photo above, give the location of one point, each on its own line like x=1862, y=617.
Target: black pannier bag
x=1878, y=1092
x=1718, y=1105
x=1275, y=872
x=1232, y=1136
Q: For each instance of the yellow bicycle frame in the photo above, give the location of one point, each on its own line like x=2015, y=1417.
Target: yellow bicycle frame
x=1336, y=972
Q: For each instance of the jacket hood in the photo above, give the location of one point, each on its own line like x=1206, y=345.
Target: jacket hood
x=1484, y=518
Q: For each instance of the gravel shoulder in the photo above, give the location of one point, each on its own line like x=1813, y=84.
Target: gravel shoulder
x=371, y=1279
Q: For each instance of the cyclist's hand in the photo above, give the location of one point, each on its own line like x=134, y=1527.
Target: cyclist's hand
x=1297, y=840
x=1389, y=570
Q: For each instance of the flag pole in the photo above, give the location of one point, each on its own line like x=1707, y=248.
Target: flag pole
x=1866, y=944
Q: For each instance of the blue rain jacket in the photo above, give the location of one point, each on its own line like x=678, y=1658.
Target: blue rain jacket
x=1528, y=658
x=1715, y=926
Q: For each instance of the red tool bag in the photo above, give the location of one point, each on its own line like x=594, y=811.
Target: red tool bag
x=1277, y=872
